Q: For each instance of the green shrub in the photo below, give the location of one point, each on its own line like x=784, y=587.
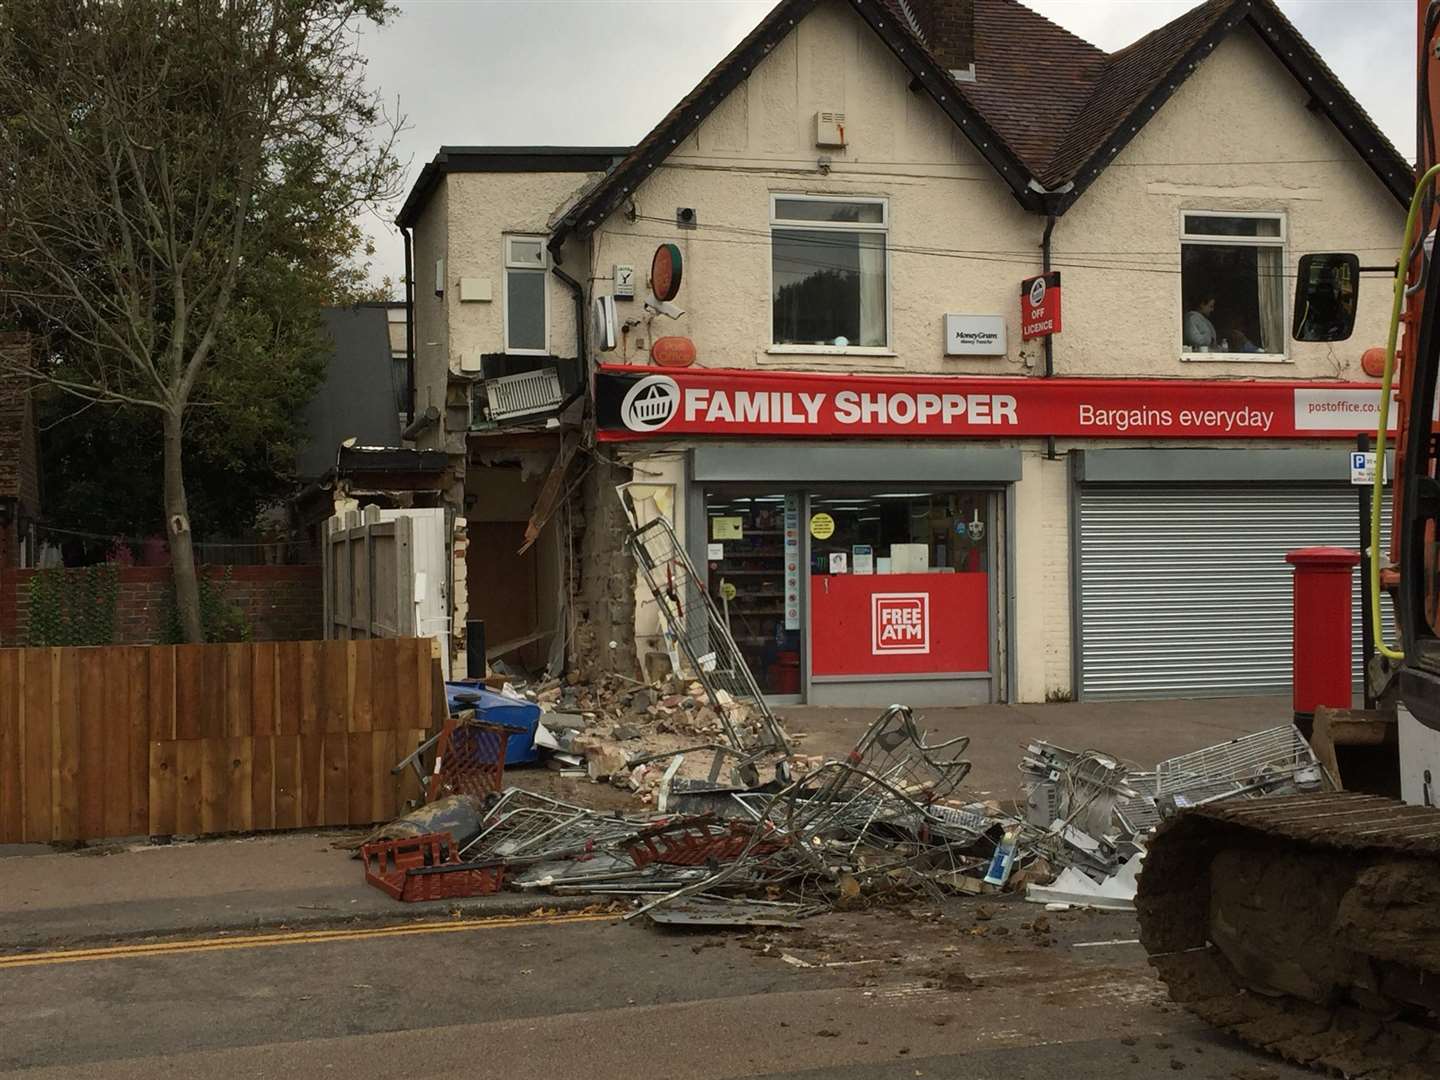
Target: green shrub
x=220, y=618
x=74, y=606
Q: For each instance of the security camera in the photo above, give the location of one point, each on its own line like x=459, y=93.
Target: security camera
x=663, y=307
x=686, y=218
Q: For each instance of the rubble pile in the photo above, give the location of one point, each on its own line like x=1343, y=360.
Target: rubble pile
x=628, y=733
x=747, y=835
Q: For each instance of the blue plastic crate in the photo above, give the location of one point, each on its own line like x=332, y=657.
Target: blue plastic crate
x=496, y=708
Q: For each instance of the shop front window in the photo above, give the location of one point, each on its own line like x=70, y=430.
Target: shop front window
x=900, y=585
x=900, y=532
x=753, y=554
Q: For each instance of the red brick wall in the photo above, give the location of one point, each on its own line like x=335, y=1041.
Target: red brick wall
x=948, y=27
x=283, y=603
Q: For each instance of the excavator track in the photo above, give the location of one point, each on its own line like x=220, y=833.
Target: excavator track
x=1308, y=926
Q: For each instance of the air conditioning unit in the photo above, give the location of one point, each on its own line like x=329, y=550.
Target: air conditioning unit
x=524, y=395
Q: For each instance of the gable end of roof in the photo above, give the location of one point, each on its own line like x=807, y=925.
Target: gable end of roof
x=1134, y=79
x=883, y=17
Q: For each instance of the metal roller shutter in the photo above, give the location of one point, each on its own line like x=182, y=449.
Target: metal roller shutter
x=1185, y=592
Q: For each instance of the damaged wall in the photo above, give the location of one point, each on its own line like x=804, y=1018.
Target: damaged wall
x=658, y=489
x=604, y=588
x=517, y=594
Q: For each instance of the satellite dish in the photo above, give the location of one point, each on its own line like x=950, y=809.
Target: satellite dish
x=603, y=312
x=666, y=270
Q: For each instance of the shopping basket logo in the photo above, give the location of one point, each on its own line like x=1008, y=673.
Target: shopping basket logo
x=650, y=403
x=899, y=623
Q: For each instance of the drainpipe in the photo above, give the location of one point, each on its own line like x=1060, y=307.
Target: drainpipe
x=1045, y=269
x=409, y=331
x=1050, y=217
x=428, y=419
x=579, y=291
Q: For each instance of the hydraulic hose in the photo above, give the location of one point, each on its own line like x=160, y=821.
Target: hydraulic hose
x=1378, y=490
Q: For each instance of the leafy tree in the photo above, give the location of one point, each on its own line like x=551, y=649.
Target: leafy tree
x=179, y=184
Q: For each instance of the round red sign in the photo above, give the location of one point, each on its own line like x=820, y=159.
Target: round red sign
x=665, y=272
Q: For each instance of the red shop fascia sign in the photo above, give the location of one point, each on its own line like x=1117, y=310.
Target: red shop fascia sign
x=634, y=402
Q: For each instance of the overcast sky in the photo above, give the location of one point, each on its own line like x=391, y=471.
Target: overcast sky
x=474, y=72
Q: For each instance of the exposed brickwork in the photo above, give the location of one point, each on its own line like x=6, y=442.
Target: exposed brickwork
x=949, y=30
x=604, y=594
x=282, y=603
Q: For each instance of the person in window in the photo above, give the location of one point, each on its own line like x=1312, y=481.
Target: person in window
x=1199, y=330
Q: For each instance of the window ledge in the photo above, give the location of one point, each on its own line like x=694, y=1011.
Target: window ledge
x=814, y=359
x=828, y=350
x=1235, y=358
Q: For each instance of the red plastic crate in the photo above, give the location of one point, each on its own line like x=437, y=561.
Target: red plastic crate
x=427, y=868
x=453, y=881
x=697, y=841
x=469, y=759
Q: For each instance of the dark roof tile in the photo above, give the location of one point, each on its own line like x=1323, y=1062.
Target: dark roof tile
x=1031, y=78
x=1124, y=81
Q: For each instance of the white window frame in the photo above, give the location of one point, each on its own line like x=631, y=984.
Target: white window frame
x=1211, y=240
x=882, y=226
x=509, y=264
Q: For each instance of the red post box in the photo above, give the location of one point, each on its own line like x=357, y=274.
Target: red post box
x=1323, y=638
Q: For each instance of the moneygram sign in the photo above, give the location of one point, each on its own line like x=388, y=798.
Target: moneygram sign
x=638, y=402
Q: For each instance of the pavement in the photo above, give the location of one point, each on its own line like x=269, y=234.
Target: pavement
x=1139, y=732
x=864, y=996
x=120, y=892
x=125, y=891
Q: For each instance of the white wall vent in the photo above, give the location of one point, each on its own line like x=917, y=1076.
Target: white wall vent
x=524, y=394
x=829, y=128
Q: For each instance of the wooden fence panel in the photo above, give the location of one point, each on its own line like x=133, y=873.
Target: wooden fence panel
x=12, y=754
x=165, y=740
x=369, y=568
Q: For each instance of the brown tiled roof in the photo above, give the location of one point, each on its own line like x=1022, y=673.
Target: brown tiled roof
x=1125, y=79
x=1058, y=107
x=1032, y=78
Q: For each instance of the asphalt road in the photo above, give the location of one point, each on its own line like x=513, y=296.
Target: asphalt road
x=977, y=993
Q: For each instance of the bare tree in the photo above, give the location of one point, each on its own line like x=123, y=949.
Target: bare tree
x=149, y=151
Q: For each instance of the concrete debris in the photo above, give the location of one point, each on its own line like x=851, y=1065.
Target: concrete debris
x=614, y=725
x=603, y=760
x=722, y=837
x=1116, y=893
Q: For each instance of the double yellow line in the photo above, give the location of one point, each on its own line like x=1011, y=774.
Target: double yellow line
x=293, y=937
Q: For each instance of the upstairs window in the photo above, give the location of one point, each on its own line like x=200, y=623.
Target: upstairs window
x=1232, y=281
x=828, y=272
x=527, y=322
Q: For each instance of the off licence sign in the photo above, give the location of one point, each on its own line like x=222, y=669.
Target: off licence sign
x=1040, y=305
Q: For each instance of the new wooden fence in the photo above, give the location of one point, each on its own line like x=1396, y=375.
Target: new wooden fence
x=163, y=740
